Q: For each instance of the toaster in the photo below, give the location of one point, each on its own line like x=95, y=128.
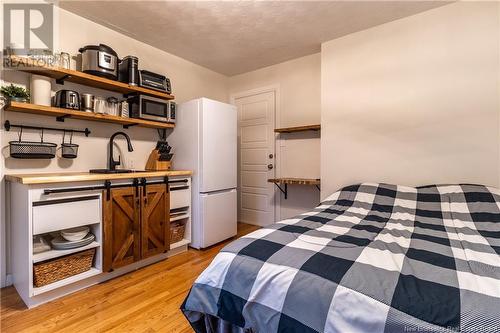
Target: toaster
x=67, y=99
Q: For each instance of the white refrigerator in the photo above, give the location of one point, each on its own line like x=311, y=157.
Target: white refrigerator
x=205, y=140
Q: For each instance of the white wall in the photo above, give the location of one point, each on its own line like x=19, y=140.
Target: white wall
x=414, y=101
x=188, y=81
x=299, y=85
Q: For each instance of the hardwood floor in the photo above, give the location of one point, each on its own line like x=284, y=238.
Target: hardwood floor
x=146, y=300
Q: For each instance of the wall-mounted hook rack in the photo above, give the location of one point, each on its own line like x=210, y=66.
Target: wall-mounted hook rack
x=7, y=125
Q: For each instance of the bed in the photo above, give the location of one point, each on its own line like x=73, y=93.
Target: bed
x=370, y=258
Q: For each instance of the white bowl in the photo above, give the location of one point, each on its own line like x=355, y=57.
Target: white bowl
x=75, y=234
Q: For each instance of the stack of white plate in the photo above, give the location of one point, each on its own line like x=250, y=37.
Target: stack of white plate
x=72, y=238
x=75, y=234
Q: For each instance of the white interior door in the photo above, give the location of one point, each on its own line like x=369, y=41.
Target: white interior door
x=256, y=158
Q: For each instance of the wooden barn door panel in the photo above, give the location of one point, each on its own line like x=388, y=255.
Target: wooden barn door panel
x=121, y=228
x=155, y=224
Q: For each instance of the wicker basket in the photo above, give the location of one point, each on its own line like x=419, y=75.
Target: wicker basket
x=57, y=269
x=177, y=230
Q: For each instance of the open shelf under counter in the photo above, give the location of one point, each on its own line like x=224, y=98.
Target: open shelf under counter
x=179, y=217
x=62, y=74
x=75, y=278
x=179, y=244
x=75, y=114
x=38, y=257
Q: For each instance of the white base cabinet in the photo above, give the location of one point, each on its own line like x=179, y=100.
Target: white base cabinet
x=31, y=212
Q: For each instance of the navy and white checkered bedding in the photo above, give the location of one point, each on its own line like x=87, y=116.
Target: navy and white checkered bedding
x=371, y=258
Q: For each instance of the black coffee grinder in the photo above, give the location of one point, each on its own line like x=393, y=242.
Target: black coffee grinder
x=128, y=70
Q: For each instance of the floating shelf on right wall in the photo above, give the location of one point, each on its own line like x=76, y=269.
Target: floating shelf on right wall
x=293, y=181
x=298, y=129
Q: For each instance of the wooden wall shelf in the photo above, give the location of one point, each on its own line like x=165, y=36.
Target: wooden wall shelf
x=293, y=181
x=298, y=129
x=67, y=113
x=61, y=74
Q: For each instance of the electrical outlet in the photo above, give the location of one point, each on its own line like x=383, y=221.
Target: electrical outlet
x=131, y=164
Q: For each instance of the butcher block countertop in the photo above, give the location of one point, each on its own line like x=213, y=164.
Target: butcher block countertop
x=68, y=177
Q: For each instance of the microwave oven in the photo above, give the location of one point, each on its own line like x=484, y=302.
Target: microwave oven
x=152, y=108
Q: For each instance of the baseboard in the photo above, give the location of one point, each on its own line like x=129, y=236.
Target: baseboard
x=254, y=223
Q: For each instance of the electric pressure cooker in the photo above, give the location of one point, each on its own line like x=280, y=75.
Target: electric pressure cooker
x=100, y=60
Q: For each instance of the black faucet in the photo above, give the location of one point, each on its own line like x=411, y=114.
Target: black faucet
x=111, y=162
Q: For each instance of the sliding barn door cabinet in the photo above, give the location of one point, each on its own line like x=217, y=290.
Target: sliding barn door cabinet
x=136, y=224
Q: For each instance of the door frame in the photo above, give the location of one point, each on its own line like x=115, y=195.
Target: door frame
x=275, y=88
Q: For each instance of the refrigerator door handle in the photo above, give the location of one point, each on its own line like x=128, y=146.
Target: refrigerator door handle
x=218, y=191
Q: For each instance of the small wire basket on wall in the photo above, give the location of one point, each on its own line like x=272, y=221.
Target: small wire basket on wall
x=69, y=149
x=32, y=149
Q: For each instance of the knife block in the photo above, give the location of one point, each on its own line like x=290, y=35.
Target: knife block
x=154, y=163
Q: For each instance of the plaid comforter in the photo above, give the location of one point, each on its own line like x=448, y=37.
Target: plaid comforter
x=371, y=258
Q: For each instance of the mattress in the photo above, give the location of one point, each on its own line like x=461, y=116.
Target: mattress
x=370, y=258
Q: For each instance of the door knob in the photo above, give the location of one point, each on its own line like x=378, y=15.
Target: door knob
x=270, y=166
x=271, y=155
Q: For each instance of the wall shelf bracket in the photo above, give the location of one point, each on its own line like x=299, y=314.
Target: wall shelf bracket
x=62, y=79
x=284, y=191
x=61, y=118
